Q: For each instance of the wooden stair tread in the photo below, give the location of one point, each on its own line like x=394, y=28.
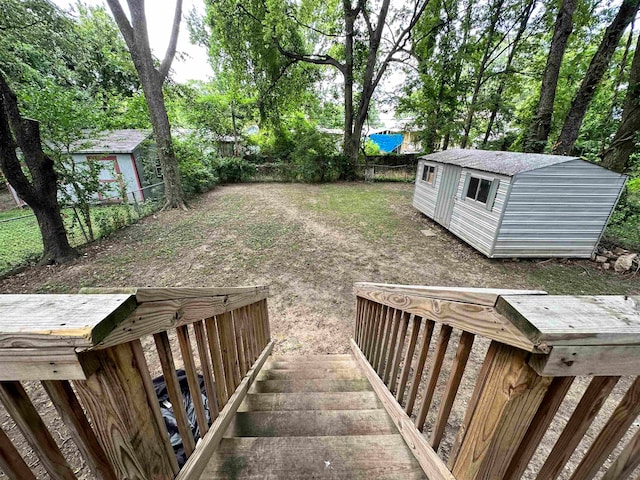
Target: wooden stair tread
x=365, y=400
x=311, y=423
x=311, y=373
x=309, y=385
x=340, y=457
x=308, y=364
x=310, y=358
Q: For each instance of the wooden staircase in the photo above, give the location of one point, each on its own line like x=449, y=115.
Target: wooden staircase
x=312, y=417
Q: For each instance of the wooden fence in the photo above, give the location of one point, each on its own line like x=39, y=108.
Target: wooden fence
x=551, y=392
x=94, y=354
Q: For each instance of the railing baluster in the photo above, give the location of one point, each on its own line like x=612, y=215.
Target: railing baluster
x=434, y=373
x=539, y=425
x=68, y=407
x=374, y=313
x=240, y=338
x=592, y=400
x=451, y=390
x=11, y=461
x=357, y=328
x=226, y=327
x=369, y=320
x=391, y=374
x=389, y=322
x=621, y=419
x=377, y=335
x=205, y=365
x=627, y=461
x=417, y=373
x=211, y=325
x=152, y=399
x=24, y=414
x=408, y=359
x=173, y=388
x=192, y=379
x=472, y=403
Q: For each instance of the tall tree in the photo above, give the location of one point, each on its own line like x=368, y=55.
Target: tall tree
x=497, y=96
x=40, y=188
x=494, y=17
x=536, y=140
x=616, y=157
x=152, y=79
x=360, y=46
x=595, y=72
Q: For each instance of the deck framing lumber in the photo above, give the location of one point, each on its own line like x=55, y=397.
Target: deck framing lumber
x=431, y=464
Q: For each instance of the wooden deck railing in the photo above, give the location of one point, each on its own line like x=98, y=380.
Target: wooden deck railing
x=490, y=384
x=93, y=356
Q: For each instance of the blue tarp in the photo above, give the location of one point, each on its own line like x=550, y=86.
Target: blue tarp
x=387, y=142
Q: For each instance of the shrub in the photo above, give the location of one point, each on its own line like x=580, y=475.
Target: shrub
x=233, y=169
x=197, y=168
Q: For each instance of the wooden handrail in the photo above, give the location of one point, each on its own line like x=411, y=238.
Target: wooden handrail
x=95, y=340
x=536, y=347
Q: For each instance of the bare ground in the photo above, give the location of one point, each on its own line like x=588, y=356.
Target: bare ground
x=310, y=255
x=309, y=244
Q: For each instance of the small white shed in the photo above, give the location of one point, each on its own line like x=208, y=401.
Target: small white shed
x=509, y=205
x=121, y=153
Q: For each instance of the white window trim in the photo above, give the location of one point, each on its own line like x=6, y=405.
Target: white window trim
x=435, y=174
x=493, y=191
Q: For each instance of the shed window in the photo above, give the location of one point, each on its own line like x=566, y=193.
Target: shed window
x=479, y=189
x=429, y=174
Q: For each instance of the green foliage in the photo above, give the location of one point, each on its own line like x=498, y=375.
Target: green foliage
x=233, y=169
x=624, y=224
x=197, y=167
x=371, y=148
x=22, y=243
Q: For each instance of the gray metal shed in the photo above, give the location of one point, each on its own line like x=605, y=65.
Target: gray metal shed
x=508, y=204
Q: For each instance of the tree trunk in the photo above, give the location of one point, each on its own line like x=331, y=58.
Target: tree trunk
x=541, y=126
x=495, y=16
x=137, y=39
x=616, y=90
x=466, y=30
x=40, y=191
x=526, y=14
x=616, y=157
x=595, y=72
x=351, y=143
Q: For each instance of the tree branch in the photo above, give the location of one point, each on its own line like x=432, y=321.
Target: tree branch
x=315, y=59
x=122, y=21
x=295, y=19
x=173, y=41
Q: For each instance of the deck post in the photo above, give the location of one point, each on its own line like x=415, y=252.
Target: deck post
x=507, y=401
x=115, y=398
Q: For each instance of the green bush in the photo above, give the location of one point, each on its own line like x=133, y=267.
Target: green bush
x=624, y=224
x=197, y=168
x=233, y=169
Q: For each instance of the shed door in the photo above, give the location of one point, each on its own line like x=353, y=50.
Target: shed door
x=447, y=194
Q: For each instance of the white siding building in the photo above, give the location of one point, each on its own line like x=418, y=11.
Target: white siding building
x=508, y=204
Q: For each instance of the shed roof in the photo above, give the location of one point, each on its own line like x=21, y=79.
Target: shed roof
x=504, y=163
x=113, y=141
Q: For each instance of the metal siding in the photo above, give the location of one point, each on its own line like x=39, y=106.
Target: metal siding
x=471, y=221
x=425, y=195
x=446, y=194
x=557, y=211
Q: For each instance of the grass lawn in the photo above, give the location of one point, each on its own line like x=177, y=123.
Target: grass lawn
x=309, y=243
x=21, y=241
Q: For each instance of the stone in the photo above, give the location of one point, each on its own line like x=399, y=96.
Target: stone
x=601, y=259
x=624, y=263
x=427, y=233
